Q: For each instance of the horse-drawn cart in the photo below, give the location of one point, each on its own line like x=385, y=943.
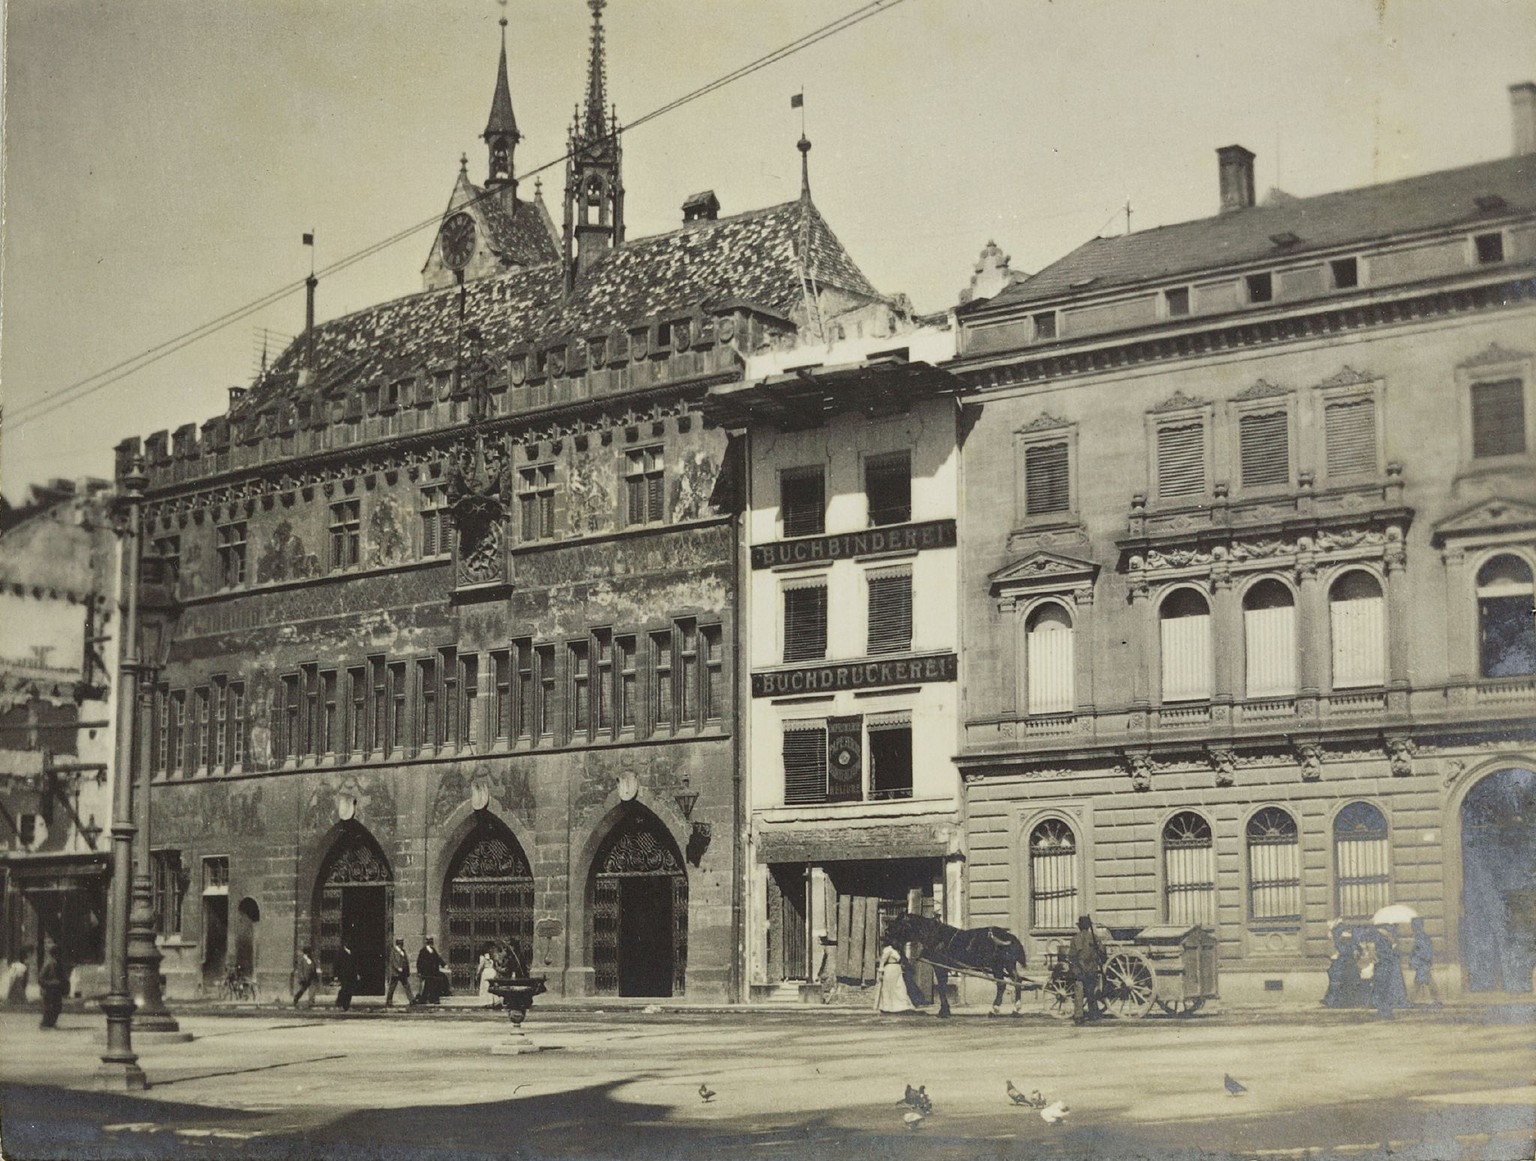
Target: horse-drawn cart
x=1173, y=967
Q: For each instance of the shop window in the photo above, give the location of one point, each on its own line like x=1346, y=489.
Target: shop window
x=1506, y=606
x=1050, y=662
x=1185, y=631
x=1269, y=640
x=888, y=488
x=1054, y=871
x=1274, y=867
x=802, y=501
x=889, y=625
x=1357, y=619
x=1360, y=854
x=1189, y=870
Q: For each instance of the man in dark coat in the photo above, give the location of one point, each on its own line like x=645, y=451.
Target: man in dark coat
x=429, y=972
x=53, y=981
x=305, y=976
x=399, y=974
x=346, y=976
x=1085, y=956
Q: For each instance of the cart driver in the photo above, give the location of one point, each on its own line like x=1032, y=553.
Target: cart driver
x=1085, y=956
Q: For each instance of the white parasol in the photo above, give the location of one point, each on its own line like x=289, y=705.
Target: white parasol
x=1394, y=913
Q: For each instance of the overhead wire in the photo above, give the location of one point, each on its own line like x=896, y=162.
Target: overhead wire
x=81, y=388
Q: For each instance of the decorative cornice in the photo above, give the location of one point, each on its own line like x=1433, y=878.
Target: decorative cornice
x=1179, y=401
x=1045, y=422
x=1493, y=355
x=1347, y=376
x=1261, y=389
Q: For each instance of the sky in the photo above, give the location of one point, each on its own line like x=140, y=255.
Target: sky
x=163, y=158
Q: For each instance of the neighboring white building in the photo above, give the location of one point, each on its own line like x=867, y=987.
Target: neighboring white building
x=850, y=639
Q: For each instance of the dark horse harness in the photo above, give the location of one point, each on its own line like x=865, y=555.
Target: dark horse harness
x=994, y=953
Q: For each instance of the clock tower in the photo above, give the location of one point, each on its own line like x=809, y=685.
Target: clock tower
x=594, y=189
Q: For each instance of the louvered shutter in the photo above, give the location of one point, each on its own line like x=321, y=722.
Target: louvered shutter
x=1269, y=639
x=890, y=613
x=1186, y=641
x=654, y=490
x=1050, y=662
x=888, y=488
x=1357, y=617
x=1181, y=460
x=1266, y=449
x=636, y=488
x=1498, y=418
x=805, y=765
x=802, y=502
x=1349, y=432
x=805, y=623
x=1046, y=485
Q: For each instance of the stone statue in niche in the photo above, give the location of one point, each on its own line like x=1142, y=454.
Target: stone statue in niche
x=693, y=487
x=387, y=543
x=284, y=557
x=479, y=501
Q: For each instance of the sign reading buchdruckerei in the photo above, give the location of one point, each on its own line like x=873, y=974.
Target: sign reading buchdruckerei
x=856, y=675
x=896, y=538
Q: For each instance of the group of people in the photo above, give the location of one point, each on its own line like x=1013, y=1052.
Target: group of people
x=1365, y=969
x=432, y=980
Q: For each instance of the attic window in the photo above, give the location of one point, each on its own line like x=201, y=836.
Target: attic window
x=1490, y=248
x=1177, y=300
x=1489, y=203
x=1261, y=287
x=1346, y=273
x=1045, y=325
x=1285, y=240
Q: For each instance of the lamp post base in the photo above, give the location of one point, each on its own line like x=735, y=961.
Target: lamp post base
x=120, y=1077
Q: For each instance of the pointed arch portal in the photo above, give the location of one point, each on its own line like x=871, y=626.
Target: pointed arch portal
x=487, y=896
x=639, y=910
x=1498, y=852
x=354, y=900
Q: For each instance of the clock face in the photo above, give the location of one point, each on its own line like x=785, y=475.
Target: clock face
x=458, y=241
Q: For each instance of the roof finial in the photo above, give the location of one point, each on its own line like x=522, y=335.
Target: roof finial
x=804, y=146
x=597, y=78
x=463, y=163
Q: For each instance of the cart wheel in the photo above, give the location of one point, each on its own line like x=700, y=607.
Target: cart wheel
x=1129, y=985
x=1181, y=1007
x=1056, y=995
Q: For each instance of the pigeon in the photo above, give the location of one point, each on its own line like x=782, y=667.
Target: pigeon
x=910, y=1098
x=706, y=1093
x=913, y=1119
x=918, y=1099
x=1055, y=1112
x=1233, y=1087
x=1016, y=1096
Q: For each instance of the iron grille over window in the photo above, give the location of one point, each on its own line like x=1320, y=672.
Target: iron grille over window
x=1360, y=851
x=890, y=613
x=1349, y=432
x=805, y=623
x=802, y=502
x=1274, y=866
x=1498, y=418
x=888, y=487
x=1047, y=486
x=1181, y=460
x=1265, y=447
x=805, y=764
x=1189, y=869
x=1053, y=874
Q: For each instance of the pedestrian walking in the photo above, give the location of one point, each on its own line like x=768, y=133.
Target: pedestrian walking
x=1085, y=956
x=890, y=981
x=1388, y=992
x=346, y=976
x=1422, y=960
x=399, y=974
x=53, y=981
x=16, y=978
x=305, y=976
x=432, y=985
x=485, y=972
x=1345, y=989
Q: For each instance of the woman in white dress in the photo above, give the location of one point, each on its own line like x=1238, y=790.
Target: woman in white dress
x=485, y=972
x=890, y=982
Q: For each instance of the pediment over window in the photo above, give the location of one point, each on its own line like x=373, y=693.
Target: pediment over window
x=1043, y=572
x=1491, y=517
x=1262, y=389
x=1179, y=401
x=1044, y=422
x=1493, y=355
x=1347, y=377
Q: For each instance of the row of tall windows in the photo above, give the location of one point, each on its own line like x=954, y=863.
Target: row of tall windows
x=172, y=879
x=1272, y=861
x=887, y=490
x=199, y=729
x=888, y=614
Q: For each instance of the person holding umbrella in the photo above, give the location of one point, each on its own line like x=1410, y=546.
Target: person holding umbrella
x=1388, y=992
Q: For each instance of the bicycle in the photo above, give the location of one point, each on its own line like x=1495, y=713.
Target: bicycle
x=239, y=987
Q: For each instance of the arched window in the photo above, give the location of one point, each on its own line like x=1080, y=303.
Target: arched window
x=1185, y=621
x=1359, y=861
x=1189, y=869
x=1269, y=640
x=1274, y=867
x=1357, y=618
x=1053, y=873
x=1050, y=654
x=1506, y=626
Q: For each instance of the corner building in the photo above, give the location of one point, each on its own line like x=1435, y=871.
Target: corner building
x=455, y=644
x=1248, y=541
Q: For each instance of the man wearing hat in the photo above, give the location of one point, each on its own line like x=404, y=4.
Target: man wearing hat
x=429, y=973
x=304, y=976
x=1085, y=956
x=399, y=973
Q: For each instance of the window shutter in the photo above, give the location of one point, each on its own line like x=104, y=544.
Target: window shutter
x=805, y=623
x=636, y=500
x=1265, y=448
x=654, y=488
x=1046, y=484
x=1357, y=618
x=1050, y=667
x=1186, y=644
x=1349, y=431
x=805, y=765
x=802, y=502
x=888, y=488
x=1498, y=418
x=890, y=613
x=1270, y=645
x=1181, y=460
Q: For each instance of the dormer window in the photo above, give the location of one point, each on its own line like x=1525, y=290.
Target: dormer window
x=1345, y=273
x=1261, y=287
x=1045, y=325
x=1490, y=248
x=1176, y=300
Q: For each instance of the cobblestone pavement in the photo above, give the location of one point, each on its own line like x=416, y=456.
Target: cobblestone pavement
x=796, y=1084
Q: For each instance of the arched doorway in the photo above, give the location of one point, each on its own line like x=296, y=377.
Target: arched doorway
x=1498, y=897
x=354, y=899
x=639, y=910
x=488, y=895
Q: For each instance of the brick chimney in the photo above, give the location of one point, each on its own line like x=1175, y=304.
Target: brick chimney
x=1522, y=109
x=1236, y=166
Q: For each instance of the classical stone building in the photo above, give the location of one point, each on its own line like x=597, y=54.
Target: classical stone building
x=58, y=655
x=455, y=649
x=1247, y=546
x=850, y=635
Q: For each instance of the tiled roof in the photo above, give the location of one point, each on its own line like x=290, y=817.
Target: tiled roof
x=524, y=237
x=749, y=257
x=1426, y=202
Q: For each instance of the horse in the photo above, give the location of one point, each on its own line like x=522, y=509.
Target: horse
x=995, y=951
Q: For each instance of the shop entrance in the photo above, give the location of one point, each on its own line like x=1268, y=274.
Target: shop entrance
x=639, y=899
x=1498, y=898
x=354, y=896
x=787, y=888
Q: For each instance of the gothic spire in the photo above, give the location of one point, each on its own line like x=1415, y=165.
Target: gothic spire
x=595, y=123
x=501, y=133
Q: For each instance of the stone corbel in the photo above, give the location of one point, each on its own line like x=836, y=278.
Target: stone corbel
x=1400, y=750
x=1309, y=756
x=1223, y=760
x=1140, y=766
